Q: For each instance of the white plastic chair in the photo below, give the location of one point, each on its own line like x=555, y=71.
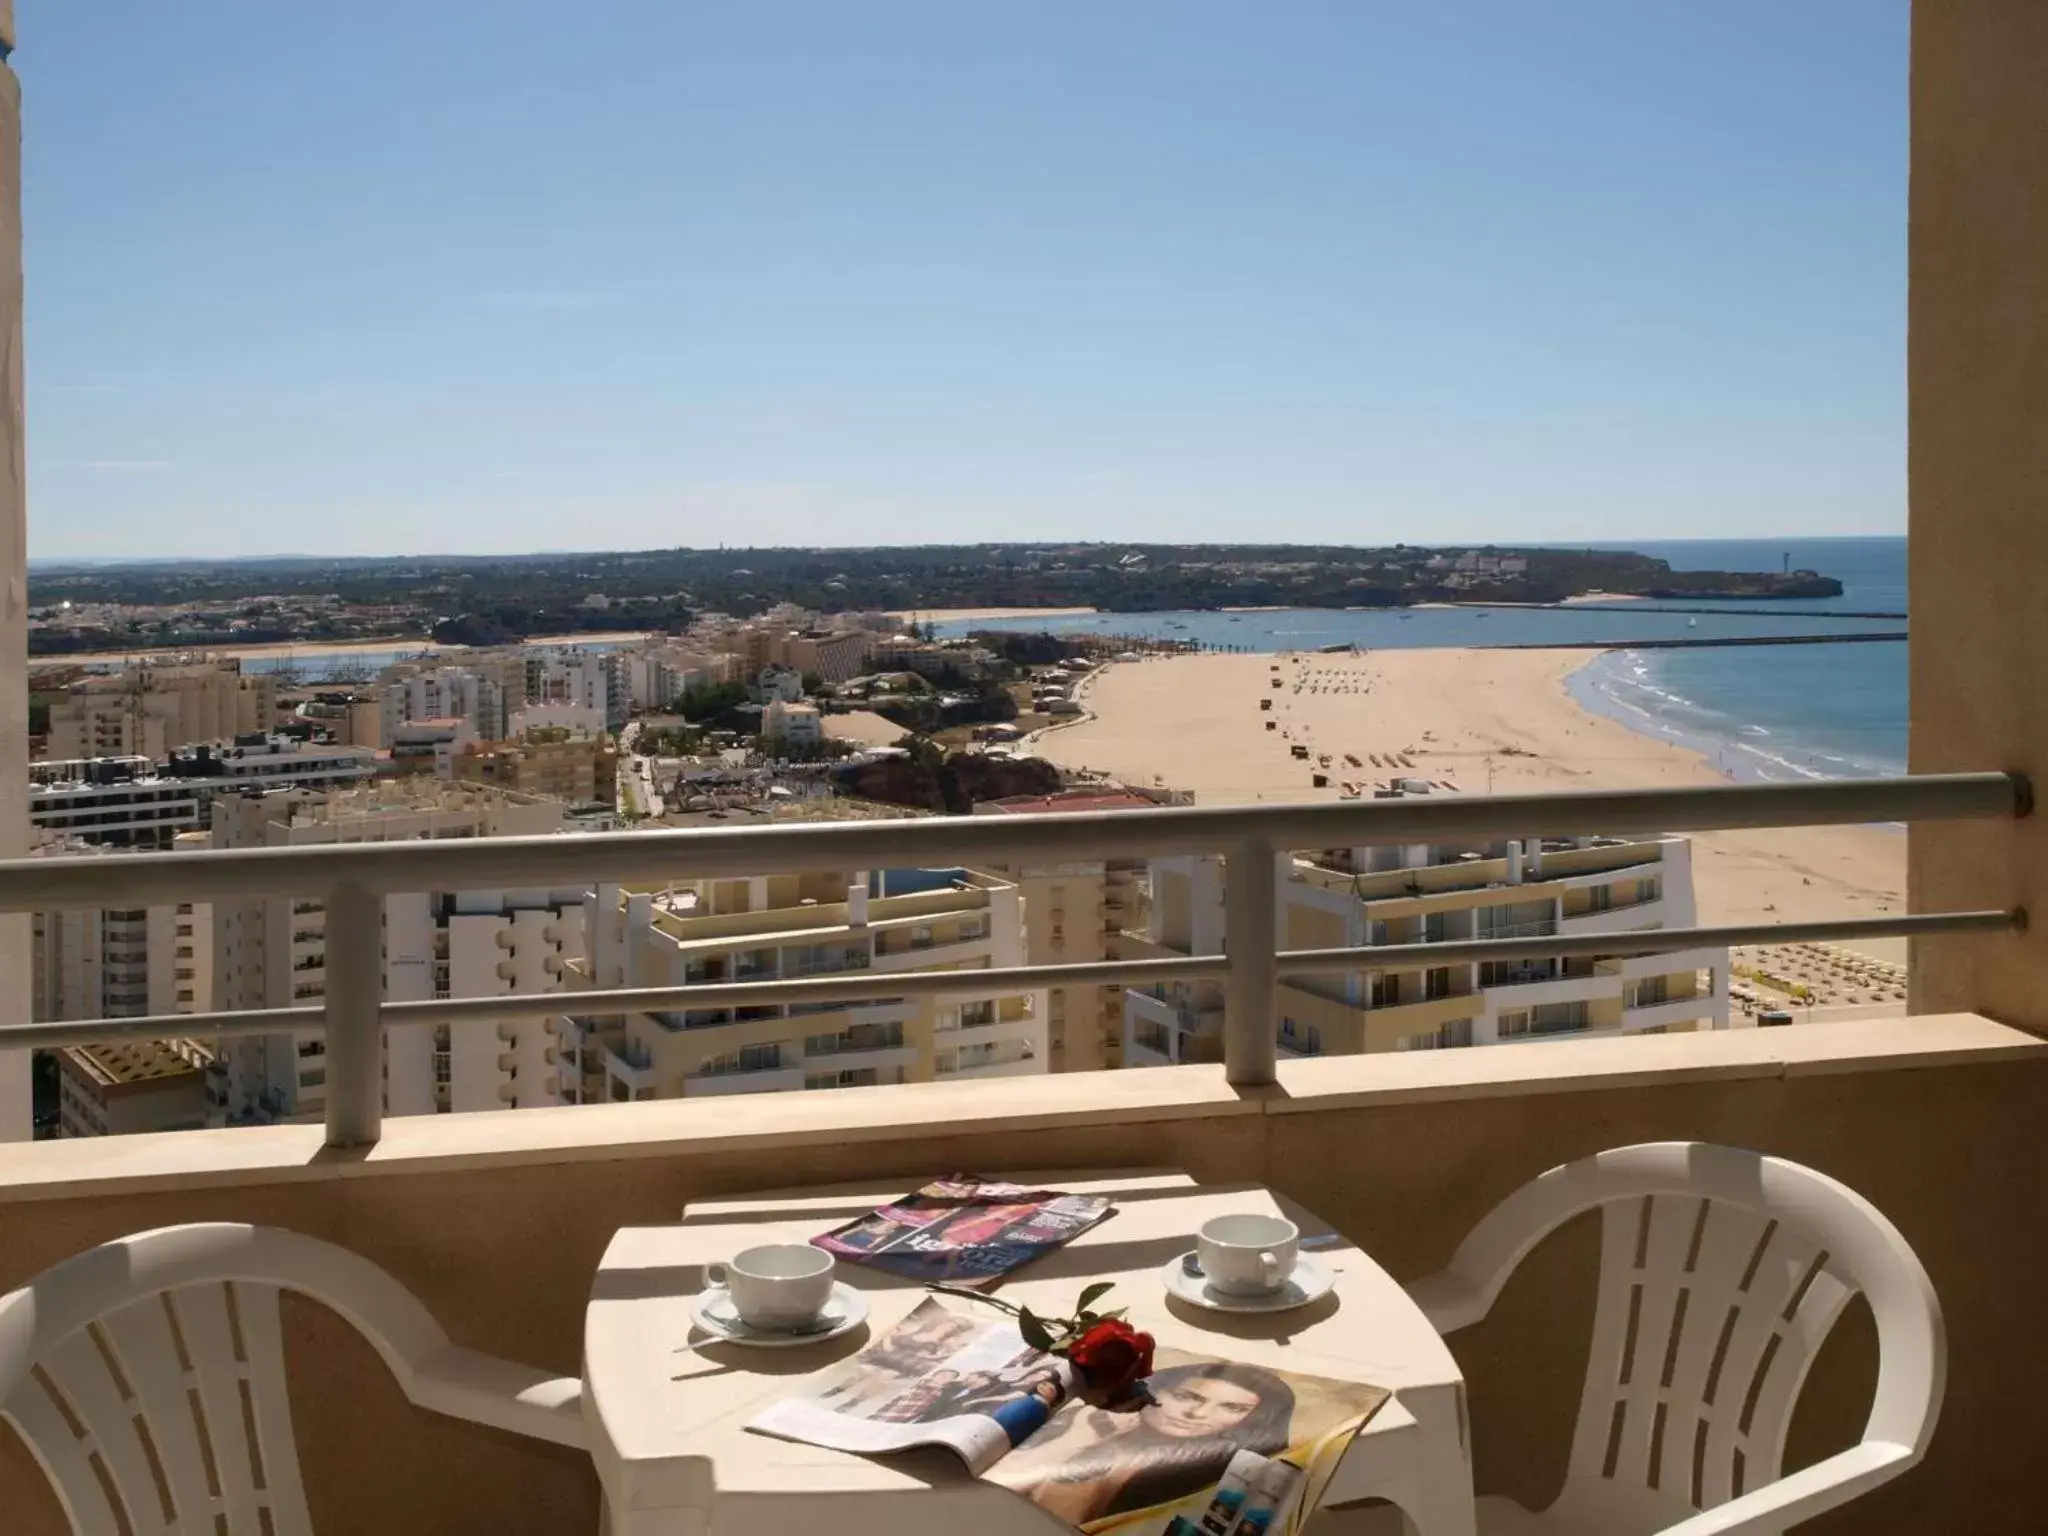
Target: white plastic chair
x=1721, y=1272
x=148, y=1376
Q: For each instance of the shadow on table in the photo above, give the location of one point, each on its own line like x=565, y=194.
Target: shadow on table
x=703, y=1356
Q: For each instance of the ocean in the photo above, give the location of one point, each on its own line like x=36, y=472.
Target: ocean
x=1759, y=712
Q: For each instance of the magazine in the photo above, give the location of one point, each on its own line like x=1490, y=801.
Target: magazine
x=965, y=1231
x=1217, y=1448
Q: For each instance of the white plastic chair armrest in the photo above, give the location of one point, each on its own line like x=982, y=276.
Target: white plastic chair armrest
x=1449, y=1300
x=1768, y=1510
x=501, y=1393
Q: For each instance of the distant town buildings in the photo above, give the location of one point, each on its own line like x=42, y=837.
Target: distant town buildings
x=149, y=710
x=578, y=767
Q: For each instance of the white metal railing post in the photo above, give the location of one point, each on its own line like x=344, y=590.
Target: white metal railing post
x=1250, y=940
x=355, y=999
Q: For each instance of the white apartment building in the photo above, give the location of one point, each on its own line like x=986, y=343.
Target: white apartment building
x=417, y=691
x=598, y=681
x=256, y=760
x=271, y=953
x=123, y=963
x=793, y=725
x=1352, y=897
x=132, y=802
x=149, y=710
x=657, y=677
x=788, y=926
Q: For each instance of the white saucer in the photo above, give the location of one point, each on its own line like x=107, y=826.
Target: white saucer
x=844, y=1310
x=1311, y=1281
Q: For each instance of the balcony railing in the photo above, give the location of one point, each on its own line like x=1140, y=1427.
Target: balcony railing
x=353, y=880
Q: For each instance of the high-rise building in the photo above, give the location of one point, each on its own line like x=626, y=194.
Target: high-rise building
x=414, y=691
x=1076, y=911
x=789, y=926
x=596, y=682
x=271, y=953
x=1346, y=898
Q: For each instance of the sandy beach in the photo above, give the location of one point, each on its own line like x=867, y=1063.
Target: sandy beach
x=1476, y=719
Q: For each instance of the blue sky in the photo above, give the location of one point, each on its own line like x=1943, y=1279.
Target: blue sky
x=493, y=275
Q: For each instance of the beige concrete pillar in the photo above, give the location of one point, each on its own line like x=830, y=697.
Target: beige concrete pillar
x=15, y=1121
x=1978, y=478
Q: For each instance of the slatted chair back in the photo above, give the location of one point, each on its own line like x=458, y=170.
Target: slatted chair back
x=1721, y=1273
x=148, y=1375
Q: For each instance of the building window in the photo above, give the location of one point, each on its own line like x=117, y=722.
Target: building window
x=1386, y=992
x=1646, y=993
x=1557, y=1018
x=1455, y=1032
x=1306, y=1039
x=1511, y=1025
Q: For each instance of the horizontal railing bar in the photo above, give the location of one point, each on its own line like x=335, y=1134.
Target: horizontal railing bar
x=862, y=986
x=1640, y=941
x=859, y=987
x=850, y=987
x=42, y=884
x=239, y=1025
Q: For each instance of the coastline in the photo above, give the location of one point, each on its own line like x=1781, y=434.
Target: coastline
x=1479, y=720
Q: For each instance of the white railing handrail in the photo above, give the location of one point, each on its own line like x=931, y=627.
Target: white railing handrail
x=353, y=879
x=495, y=863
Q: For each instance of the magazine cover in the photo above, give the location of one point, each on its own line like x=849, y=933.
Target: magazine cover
x=1167, y=1468
x=1219, y=1448
x=965, y=1231
x=936, y=1378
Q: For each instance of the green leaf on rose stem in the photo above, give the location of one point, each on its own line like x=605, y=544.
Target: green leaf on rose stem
x=1034, y=1331
x=1115, y=1317
x=1094, y=1292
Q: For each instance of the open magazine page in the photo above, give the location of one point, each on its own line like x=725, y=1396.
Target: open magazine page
x=1177, y=1465
x=936, y=1378
x=965, y=1231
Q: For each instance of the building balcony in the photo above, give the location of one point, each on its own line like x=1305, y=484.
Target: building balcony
x=1401, y=1149
x=777, y=1079
x=1708, y=1011
x=1625, y=919
x=1961, y=1093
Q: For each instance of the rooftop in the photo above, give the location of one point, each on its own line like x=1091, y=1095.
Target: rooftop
x=141, y=1061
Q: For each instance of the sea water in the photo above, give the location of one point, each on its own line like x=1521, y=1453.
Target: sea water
x=1759, y=712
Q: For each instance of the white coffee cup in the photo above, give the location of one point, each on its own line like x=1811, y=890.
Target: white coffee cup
x=777, y=1285
x=1248, y=1255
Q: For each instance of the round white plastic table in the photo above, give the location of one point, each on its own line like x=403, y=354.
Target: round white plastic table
x=667, y=1418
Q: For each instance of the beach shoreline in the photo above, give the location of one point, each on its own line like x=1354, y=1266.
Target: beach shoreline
x=1499, y=721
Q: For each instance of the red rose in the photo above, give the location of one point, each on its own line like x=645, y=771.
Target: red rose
x=1112, y=1356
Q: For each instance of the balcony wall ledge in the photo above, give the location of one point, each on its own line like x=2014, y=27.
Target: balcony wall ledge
x=1020, y=1106
x=1622, y=1061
